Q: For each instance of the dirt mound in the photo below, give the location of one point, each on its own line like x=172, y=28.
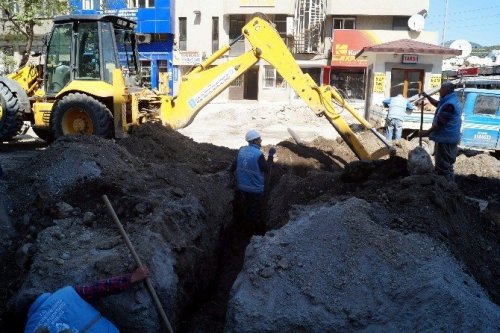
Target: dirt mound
x=162, y=185
x=174, y=196
x=336, y=267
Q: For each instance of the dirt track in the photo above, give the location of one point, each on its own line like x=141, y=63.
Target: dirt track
x=179, y=190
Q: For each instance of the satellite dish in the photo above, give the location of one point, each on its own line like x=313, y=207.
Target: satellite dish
x=462, y=45
x=416, y=22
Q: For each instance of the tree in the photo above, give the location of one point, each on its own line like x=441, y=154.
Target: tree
x=20, y=17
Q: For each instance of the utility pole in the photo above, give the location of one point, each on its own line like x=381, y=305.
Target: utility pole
x=444, y=23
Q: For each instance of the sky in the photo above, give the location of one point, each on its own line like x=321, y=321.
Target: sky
x=476, y=21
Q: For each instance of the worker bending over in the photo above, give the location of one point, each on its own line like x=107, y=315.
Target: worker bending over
x=66, y=310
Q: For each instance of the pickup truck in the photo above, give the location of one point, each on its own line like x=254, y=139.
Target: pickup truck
x=480, y=119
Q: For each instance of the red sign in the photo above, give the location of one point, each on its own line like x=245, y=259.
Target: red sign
x=346, y=44
x=410, y=58
x=468, y=71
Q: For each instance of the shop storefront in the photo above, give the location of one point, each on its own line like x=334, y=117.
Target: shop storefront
x=404, y=67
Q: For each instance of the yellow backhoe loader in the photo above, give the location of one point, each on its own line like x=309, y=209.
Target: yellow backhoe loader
x=90, y=83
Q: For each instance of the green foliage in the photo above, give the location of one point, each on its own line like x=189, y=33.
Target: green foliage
x=24, y=15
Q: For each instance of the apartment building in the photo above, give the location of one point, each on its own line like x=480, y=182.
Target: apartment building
x=326, y=38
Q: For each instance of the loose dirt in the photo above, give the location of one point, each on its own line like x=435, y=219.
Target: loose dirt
x=174, y=197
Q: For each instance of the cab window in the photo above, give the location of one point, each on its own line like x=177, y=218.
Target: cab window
x=487, y=105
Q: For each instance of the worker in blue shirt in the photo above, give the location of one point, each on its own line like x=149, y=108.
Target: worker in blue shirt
x=445, y=129
x=398, y=105
x=251, y=171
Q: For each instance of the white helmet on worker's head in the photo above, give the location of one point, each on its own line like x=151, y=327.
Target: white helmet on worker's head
x=252, y=135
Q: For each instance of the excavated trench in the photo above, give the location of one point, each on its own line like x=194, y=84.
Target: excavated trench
x=174, y=197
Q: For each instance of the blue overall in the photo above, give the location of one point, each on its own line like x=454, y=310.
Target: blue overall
x=63, y=310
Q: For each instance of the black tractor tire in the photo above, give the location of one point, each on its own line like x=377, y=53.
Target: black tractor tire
x=44, y=134
x=11, y=119
x=78, y=113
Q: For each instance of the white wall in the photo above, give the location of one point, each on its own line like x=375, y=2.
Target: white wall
x=383, y=63
x=199, y=28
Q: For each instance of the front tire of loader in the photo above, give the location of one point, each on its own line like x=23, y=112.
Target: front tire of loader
x=81, y=114
x=11, y=115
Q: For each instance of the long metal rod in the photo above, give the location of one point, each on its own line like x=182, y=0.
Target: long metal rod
x=149, y=286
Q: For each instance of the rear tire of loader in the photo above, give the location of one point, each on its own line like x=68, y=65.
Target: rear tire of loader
x=81, y=114
x=11, y=115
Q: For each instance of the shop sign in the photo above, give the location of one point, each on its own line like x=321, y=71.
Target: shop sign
x=186, y=58
x=379, y=83
x=468, y=71
x=257, y=3
x=410, y=58
x=347, y=43
x=435, y=81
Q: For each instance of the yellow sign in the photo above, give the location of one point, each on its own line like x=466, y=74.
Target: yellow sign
x=379, y=83
x=435, y=81
x=257, y=3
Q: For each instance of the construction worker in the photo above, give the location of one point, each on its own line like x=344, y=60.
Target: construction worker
x=445, y=129
x=66, y=310
x=251, y=172
x=398, y=105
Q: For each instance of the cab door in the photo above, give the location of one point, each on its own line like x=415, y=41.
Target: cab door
x=481, y=125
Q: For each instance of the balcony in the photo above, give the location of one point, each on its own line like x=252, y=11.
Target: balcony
x=385, y=8
x=249, y=7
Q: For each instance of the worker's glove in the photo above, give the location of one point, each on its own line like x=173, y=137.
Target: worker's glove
x=272, y=151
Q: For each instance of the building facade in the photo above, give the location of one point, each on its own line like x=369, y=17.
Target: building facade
x=156, y=34
x=323, y=35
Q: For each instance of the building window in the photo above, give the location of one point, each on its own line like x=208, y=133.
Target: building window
x=182, y=33
x=236, y=23
x=407, y=82
x=215, y=34
x=87, y=5
x=280, y=22
x=159, y=37
x=344, y=23
x=273, y=79
x=238, y=82
x=162, y=66
x=140, y=3
x=400, y=22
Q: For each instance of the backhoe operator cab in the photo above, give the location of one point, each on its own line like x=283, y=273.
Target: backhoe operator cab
x=88, y=48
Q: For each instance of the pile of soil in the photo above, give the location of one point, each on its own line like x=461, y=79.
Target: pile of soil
x=174, y=196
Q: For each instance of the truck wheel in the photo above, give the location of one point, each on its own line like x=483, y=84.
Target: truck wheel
x=11, y=116
x=44, y=134
x=81, y=114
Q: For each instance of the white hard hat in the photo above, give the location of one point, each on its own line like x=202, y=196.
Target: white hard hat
x=252, y=135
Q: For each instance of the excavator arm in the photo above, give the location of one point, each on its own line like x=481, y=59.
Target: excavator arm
x=204, y=83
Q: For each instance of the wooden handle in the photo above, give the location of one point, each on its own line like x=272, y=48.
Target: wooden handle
x=149, y=285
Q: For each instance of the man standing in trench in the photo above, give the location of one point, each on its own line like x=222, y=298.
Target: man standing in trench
x=251, y=172
x=445, y=129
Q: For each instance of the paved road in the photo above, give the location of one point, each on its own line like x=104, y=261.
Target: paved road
x=15, y=153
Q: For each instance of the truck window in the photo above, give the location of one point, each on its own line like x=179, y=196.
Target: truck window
x=487, y=105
